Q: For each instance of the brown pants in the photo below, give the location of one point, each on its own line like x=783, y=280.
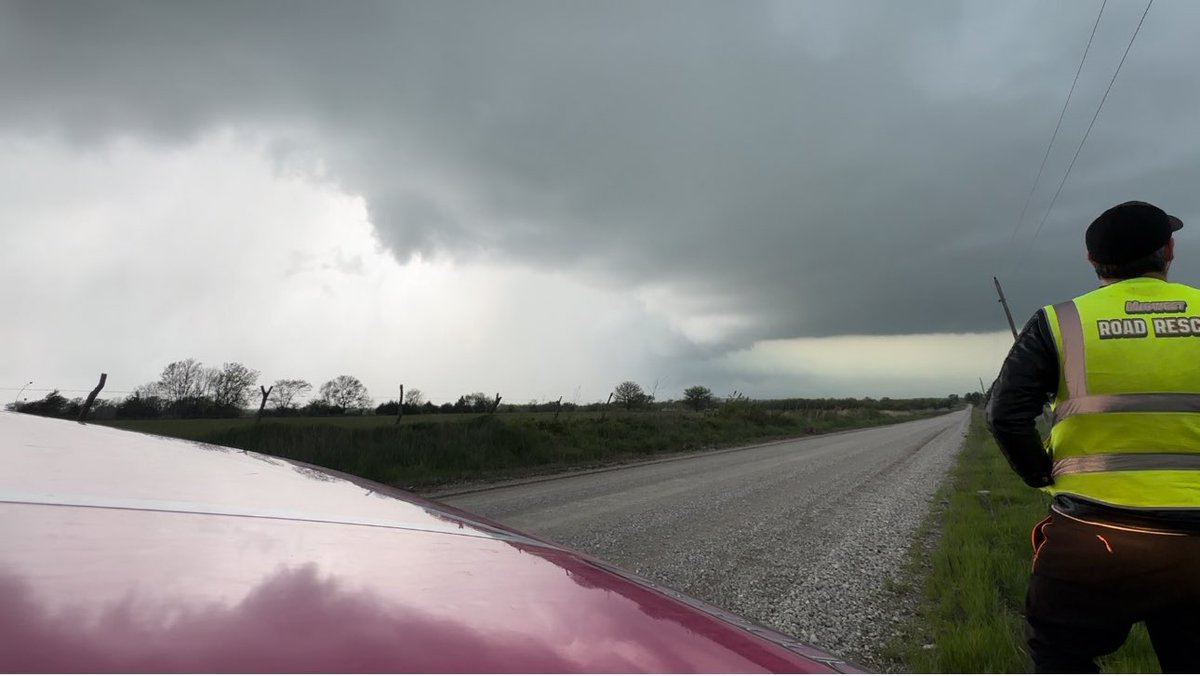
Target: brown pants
x=1091, y=583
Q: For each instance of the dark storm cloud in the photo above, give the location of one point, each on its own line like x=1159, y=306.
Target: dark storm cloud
x=826, y=169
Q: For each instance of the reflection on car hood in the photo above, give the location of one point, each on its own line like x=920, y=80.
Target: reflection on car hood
x=127, y=552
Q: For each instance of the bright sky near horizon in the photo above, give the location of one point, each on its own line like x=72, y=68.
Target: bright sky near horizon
x=543, y=199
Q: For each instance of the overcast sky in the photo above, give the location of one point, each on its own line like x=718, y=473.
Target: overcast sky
x=546, y=198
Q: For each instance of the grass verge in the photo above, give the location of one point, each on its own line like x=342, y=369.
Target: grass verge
x=422, y=454
x=202, y=428
x=969, y=571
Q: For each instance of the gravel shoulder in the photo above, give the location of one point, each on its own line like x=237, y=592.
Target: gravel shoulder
x=800, y=536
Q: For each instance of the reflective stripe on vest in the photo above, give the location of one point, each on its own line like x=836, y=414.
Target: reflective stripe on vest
x=1124, y=462
x=1144, y=402
x=1075, y=374
x=1074, y=365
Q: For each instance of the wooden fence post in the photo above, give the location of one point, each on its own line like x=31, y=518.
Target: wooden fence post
x=265, y=391
x=87, y=405
x=400, y=408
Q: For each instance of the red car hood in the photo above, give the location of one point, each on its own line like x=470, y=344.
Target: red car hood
x=128, y=552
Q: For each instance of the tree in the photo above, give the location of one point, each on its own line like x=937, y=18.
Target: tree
x=148, y=391
x=631, y=395
x=53, y=405
x=345, y=392
x=231, y=385
x=414, y=398
x=145, y=402
x=697, y=397
x=284, y=393
x=182, y=380
x=476, y=402
x=320, y=407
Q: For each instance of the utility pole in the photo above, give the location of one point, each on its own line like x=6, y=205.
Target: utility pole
x=1004, y=303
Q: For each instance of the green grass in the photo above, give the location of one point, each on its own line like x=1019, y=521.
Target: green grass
x=198, y=428
x=975, y=576
x=435, y=450
x=202, y=428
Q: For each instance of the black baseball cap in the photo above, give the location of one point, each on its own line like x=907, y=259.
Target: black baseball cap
x=1128, y=232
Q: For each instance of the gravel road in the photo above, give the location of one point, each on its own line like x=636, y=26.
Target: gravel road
x=798, y=535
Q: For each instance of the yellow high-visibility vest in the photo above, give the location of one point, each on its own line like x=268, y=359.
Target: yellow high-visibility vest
x=1127, y=413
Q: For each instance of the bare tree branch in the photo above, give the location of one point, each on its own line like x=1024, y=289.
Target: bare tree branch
x=287, y=390
x=345, y=392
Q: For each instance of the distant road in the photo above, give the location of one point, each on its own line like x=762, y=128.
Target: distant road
x=798, y=535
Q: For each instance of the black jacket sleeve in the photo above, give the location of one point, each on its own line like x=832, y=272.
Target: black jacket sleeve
x=1027, y=381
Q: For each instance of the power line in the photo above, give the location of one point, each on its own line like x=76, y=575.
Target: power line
x=1089, y=129
x=1029, y=199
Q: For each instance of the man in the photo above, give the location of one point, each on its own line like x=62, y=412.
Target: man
x=1121, y=365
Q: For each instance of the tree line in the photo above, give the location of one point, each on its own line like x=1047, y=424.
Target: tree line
x=189, y=389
